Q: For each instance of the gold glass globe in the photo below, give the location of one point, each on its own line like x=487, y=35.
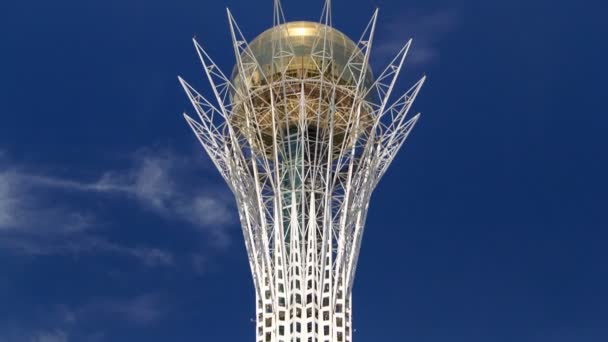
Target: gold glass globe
x=328, y=85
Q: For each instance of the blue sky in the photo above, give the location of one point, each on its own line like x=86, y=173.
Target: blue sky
x=491, y=224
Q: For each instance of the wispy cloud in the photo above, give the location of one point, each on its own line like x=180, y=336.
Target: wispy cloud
x=155, y=183
x=30, y=226
x=51, y=336
x=33, y=224
x=19, y=207
x=427, y=30
x=142, y=309
x=33, y=334
x=33, y=243
x=77, y=322
x=8, y=201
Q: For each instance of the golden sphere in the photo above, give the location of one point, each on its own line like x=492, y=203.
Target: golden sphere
x=300, y=76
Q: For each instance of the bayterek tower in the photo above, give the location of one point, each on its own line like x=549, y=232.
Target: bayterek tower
x=302, y=131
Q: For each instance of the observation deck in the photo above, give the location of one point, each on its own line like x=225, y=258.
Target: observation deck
x=294, y=59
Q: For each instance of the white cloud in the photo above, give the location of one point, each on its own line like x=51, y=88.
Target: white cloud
x=80, y=243
x=34, y=335
x=34, y=225
x=53, y=336
x=8, y=201
x=426, y=29
x=151, y=256
x=142, y=309
x=210, y=214
x=65, y=323
x=155, y=182
x=22, y=209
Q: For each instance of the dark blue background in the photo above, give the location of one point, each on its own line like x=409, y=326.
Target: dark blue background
x=490, y=225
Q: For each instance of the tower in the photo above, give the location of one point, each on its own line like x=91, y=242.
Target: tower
x=302, y=132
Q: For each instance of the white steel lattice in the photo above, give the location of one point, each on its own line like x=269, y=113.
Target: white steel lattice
x=302, y=133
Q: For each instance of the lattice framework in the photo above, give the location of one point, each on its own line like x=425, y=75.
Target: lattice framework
x=302, y=191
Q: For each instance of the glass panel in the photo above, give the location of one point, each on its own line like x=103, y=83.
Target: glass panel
x=302, y=36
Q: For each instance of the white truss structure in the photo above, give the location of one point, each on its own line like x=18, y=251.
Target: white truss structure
x=302, y=154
